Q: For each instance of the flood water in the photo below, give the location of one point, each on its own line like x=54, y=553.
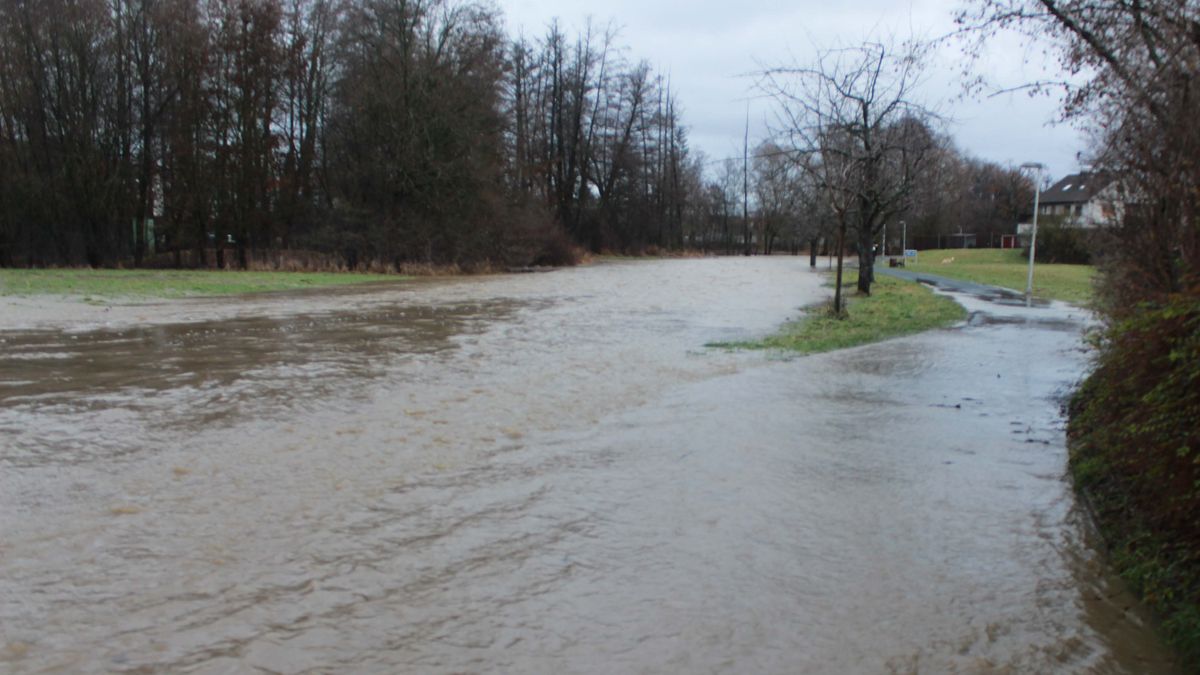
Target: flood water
x=549, y=473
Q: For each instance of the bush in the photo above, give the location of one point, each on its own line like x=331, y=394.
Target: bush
x=1135, y=452
x=1059, y=243
x=532, y=238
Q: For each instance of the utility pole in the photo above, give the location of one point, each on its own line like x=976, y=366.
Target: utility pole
x=746, y=185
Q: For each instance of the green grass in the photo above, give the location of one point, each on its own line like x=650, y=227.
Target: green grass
x=1008, y=268
x=93, y=284
x=895, y=307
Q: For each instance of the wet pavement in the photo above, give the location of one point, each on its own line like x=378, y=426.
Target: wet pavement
x=551, y=473
x=993, y=294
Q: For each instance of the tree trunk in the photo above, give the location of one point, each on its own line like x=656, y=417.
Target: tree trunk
x=866, y=261
x=837, y=291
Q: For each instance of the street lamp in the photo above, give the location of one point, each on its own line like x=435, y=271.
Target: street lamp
x=1037, y=194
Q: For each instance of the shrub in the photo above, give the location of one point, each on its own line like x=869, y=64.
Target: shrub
x=1136, y=453
x=1060, y=243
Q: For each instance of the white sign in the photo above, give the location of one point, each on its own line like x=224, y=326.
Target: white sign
x=910, y=253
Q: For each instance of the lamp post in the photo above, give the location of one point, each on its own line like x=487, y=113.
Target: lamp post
x=1037, y=194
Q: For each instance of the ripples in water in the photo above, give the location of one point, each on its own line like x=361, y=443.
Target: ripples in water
x=548, y=474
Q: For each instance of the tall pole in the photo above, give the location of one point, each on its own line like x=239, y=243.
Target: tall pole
x=903, y=238
x=1037, y=194
x=746, y=184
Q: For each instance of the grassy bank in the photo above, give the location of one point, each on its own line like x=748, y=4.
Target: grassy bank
x=103, y=283
x=1009, y=268
x=1135, y=454
x=895, y=308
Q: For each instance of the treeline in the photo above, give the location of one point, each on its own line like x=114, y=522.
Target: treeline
x=967, y=195
x=380, y=132
x=949, y=193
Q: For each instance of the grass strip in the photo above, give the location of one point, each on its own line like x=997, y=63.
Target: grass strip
x=894, y=308
x=104, y=283
x=1008, y=268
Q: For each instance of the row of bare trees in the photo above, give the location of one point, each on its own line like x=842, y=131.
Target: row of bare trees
x=376, y=130
x=853, y=151
x=787, y=211
x=600, y=140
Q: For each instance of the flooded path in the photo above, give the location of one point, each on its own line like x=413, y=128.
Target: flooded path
x=548, y=473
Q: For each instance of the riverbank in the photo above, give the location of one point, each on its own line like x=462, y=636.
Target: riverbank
x=102, y=284
x=1008, y=268
x=82, y=298
x=894, y=308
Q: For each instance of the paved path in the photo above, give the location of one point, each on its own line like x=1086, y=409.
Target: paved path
x=948, y=284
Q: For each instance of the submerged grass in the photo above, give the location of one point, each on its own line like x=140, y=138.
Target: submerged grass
x=1009, y=268
x=103, y=283
x=894, y=308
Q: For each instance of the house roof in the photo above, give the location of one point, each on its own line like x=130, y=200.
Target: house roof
x=1076, y=188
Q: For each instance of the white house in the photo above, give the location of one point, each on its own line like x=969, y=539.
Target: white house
x=1084, y=200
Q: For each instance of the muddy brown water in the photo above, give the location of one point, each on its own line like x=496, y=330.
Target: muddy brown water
x=550, y=473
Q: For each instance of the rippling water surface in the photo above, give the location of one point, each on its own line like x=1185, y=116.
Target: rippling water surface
x=549, y=473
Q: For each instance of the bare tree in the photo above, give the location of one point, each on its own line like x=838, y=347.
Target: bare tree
x=598, y=140
x=851, y=121
x=727, y=190
x=777, y=191
x=308, y=64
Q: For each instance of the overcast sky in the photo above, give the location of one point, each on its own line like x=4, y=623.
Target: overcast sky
x=709, y=47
